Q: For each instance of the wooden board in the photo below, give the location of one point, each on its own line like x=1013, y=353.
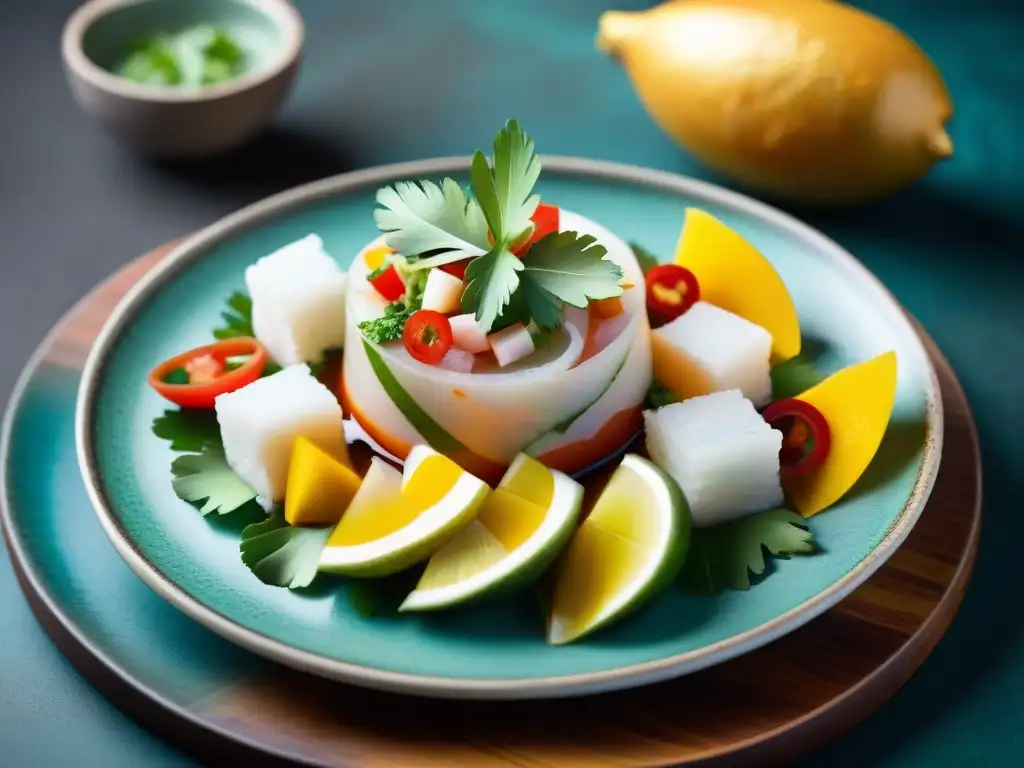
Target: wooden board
x=769, y=706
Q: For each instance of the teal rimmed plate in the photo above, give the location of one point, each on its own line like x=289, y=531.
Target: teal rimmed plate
x=496, y=651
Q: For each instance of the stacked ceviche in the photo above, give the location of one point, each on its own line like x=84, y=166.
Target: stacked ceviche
x=496, y=347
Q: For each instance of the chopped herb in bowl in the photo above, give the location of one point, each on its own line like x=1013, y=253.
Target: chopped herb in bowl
x=200, y=55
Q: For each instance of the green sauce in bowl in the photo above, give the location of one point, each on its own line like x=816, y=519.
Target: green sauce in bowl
x=198, y=55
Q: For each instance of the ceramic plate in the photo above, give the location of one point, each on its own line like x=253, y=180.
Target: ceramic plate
x=498, y=650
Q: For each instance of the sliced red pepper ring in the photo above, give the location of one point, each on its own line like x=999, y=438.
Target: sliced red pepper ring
x=806, y=439
x=208, y=374
x=427, y=336
x=388, y=283
x=671, y=290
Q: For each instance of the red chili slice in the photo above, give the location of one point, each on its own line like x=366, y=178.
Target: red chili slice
x=427, y=336
x=671, y=290
x=207, y=374
x=806, y=439
x=389, y=284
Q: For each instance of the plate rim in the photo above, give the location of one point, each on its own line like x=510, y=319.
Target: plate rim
x=194, y=247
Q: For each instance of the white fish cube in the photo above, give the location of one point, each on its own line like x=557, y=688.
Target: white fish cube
x=443, y=292
x=468, y=335
x=298, y=302
x=259, y=424
x=724, y=456
x=728, y=351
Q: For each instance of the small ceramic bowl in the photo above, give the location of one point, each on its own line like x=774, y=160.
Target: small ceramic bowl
x=182, y=122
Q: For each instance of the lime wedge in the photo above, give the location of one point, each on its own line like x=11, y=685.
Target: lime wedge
x=630, y=547
x=396, y=520
x=519, y=531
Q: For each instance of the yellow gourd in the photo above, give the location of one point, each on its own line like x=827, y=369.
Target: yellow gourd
x=810, y=99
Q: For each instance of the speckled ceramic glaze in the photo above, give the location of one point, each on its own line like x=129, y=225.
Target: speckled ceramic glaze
x=498, y=650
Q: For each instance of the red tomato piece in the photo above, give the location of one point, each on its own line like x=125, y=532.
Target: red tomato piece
x=207, y=372
x=389, y=284
x=456, y=268
x=427, y=336
x=806, y=439
x=545, y=221
x=671, y=290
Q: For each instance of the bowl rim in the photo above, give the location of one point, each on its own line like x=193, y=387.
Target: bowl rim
x=281, y=13
x=195, y=247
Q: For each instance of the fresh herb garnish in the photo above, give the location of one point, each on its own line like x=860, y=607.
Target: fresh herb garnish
x=280, y=554
x=238, y=318
x=427, y=217
x=645, y=258
x=206, y=480
x=439, y=224
x=725, y=555
x=492, y=280
x=187, y=429
x=200, y=55
x=383, y=596
x=388, y=326
x=658, y=395
x=571, y=267
x=504, y=186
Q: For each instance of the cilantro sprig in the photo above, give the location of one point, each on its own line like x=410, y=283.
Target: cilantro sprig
x=725, y=555
x=433, y=225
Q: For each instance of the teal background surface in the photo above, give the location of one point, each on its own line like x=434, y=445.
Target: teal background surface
x=403, y=80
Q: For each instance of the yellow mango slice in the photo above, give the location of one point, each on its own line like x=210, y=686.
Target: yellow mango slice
x=733, y=275
x=319, y=486
x=857, y=403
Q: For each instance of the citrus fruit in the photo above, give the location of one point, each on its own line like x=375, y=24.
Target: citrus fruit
x=631, y=546
x=398, y=519
x=520, y=529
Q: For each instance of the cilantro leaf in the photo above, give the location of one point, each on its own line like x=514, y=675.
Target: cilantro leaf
x=206, y=480
x=645, y=258
x=794, y=376
x=388, y=326
x=572, y=268
x=725, y=555
x=187, y=429
x=238, y=318
x=658, y=395
x=425, y=217
x=491, y=281
x=280, y=554
x=504, y=188
x=542, y=305
x=383, y=596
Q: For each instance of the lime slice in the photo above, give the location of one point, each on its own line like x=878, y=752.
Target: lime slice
x=396, y=520
x=520, y=529
x=630, y=547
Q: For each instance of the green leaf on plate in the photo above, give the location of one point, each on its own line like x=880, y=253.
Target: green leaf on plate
x=504, y=187
x=238, y=318
x=658, y=395
x=794, y=376
x=725, y=555
x=645, y=258
x=382, y=597
x=283, y=555
x=187, y=429
x=206, y=480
